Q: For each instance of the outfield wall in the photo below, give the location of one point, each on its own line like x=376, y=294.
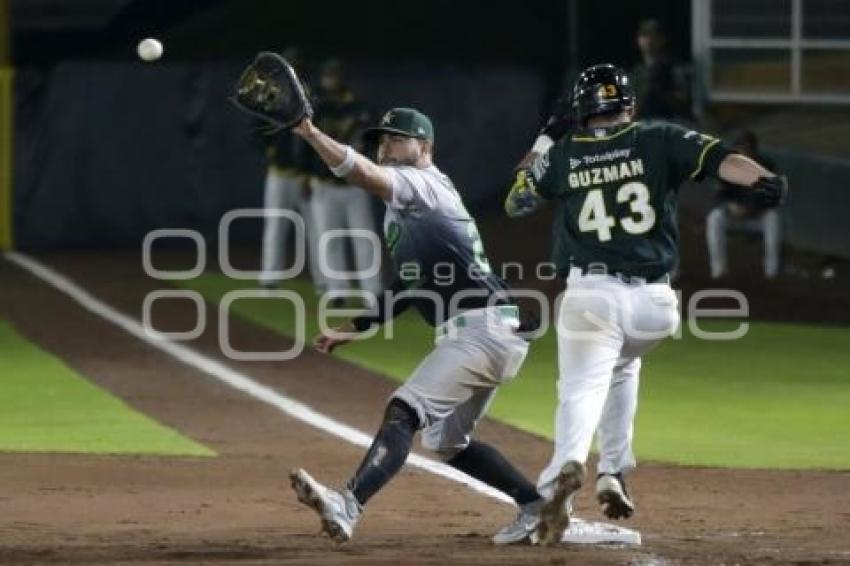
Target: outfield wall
x=815, y=218
x=110, y=150
x=106, y=151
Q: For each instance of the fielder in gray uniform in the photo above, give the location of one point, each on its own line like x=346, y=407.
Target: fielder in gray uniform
x=477, y=347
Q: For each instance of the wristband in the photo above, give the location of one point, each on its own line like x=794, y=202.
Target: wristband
x=542, y=144
x=347, y=164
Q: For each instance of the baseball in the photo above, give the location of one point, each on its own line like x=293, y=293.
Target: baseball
x=149, y=49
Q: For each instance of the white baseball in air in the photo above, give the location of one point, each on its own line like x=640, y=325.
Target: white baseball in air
x=149, y=49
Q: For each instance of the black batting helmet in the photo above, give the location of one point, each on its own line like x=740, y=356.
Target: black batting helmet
x=602, y=89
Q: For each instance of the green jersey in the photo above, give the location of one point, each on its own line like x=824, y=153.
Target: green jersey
x=616, y=190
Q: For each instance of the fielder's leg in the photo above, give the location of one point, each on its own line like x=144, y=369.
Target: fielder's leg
x=434, y=390
x=448, y=392
x=339, y=511
x=388, y=452
x=451, y=440
x=486, y=464
x=451, y=437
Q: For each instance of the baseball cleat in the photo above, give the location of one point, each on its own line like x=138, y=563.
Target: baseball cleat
x=522, y=527
x=613, y=497
x=338, y=511
x=555, y=514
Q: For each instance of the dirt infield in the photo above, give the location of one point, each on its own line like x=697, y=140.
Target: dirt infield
x=238, y=507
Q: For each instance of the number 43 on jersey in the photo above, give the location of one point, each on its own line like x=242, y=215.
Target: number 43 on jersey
x=594, y=216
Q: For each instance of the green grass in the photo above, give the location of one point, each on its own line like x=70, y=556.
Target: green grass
x=47, y=407
x=777, y=398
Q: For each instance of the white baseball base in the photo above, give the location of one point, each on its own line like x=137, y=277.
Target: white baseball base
x=592, y=532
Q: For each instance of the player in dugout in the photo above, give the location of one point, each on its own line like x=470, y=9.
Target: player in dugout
x=737, y=209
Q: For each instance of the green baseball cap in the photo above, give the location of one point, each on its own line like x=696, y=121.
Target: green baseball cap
x=404, y=122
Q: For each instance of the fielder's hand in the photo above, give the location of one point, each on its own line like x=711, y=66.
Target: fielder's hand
x=339, y=336
x=304, y=128
x=270, y=90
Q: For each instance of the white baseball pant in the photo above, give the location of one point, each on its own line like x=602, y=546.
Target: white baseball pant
x=604, y=326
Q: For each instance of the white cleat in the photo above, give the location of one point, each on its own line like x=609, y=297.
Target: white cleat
x=523, y=526
x=339, y=511
x=555, y=513
x=613, y=497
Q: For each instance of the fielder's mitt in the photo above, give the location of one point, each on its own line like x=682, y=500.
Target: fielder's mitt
x=270, y=90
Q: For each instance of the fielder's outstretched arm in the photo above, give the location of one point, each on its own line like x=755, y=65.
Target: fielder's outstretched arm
x=345, y=162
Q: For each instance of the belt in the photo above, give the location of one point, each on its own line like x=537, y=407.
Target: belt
x=506, y=314
x=627, y=278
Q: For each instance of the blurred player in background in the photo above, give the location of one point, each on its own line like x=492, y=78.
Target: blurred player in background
x=286, y=189
x=737, y=210
x=661, y=86
x=616, y=184
x=338, y=205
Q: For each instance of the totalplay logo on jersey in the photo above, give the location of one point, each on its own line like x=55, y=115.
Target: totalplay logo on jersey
x=612, y=155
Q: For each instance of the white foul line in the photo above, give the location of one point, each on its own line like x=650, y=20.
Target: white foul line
x=235, y=379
